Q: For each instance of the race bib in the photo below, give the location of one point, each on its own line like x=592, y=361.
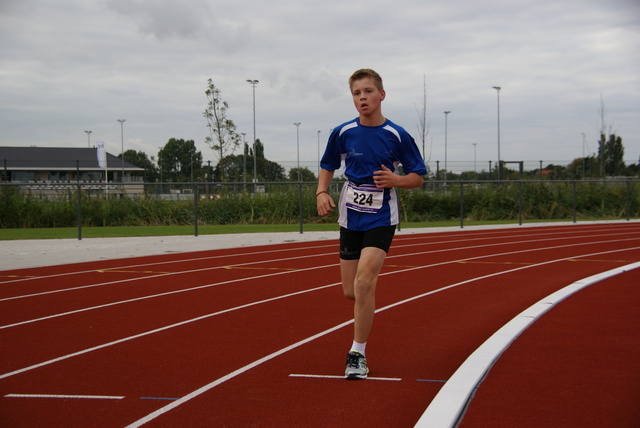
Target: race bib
x=364, y=198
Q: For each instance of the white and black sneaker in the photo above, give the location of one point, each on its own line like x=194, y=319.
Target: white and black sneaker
x=356, y=366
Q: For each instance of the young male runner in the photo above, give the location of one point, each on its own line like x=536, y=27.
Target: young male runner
x=372, y=147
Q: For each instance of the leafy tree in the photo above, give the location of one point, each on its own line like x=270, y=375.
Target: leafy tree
x=230, y=168
x=270, y=171
x=611, y=154
x=259, y=149
x=222, y=131
x=178, y=160
x=141, y=160
x=305, y=174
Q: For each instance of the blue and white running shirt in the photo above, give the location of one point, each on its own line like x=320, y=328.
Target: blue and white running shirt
x=364, y=149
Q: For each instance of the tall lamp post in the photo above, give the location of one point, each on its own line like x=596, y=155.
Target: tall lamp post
x=446, y=115
x=474, y=160
x=497, y=88
x=583, y=160
x=122, y=121
x=297, y=125
x=253, y=84
x=89, y=137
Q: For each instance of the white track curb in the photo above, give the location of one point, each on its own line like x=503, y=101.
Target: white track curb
x=451, y=401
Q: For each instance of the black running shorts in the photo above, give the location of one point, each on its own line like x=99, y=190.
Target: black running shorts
x=352, y=242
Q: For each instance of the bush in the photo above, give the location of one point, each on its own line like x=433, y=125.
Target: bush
x=279, y=204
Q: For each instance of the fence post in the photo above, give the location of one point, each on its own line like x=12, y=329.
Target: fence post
x=628, y=198
x=79, y=203
x=461, y=204
x=195, y=209
x=300, y=203
x=575, y=201
x=520, y=198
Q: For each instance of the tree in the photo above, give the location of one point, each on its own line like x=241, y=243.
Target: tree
x=231, y=168
x=222, y=131
x=423, y=125
x=270, y=171
x=178, y=160
x=305, y=174
x=141, y=160
x=611, y=154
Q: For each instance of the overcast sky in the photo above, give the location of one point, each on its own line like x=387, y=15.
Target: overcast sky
x=67, y=66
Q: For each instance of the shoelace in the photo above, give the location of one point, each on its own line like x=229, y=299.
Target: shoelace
x=353, y=360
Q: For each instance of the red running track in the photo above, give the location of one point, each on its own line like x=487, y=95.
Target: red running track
x=258, y=336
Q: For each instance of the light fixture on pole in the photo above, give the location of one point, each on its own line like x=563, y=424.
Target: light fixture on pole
x=446, y=115
x=89, y=137
x=497, y=88
x=297, y=125
x=122, y=121
x=253, y=84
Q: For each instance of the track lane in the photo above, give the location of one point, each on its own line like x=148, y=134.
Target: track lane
x=446, y=274
x=142, y=318
x=555, y=374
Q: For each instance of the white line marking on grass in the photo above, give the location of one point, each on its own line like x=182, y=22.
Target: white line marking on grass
x=448, y=406
x=394, y=379
x=65, y=396
x=273, y=355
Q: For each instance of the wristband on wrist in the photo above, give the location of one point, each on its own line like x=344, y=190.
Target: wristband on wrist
x=321, y=192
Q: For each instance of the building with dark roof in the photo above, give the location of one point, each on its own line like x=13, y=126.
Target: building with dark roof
x=51, y=168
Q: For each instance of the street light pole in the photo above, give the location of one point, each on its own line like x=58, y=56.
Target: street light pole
x=474, y=160
x=253, y=84
x=297, y=125
x=89, y=137
x=446, y=115
x=122, y=121
x=497, y=88
x=583, y=160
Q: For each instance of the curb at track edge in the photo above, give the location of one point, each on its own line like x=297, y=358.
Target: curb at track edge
x=447, y=408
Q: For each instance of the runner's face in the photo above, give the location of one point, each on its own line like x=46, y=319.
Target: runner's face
x=366, y=96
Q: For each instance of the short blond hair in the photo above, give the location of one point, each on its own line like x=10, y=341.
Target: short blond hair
x=366, y=72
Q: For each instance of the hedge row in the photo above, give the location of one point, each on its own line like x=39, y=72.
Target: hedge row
x=433, y=202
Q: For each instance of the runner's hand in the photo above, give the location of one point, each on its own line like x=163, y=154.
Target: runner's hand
x=384, y=178
x=325, y=204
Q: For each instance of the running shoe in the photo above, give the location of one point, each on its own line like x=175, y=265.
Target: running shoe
x=356, y=366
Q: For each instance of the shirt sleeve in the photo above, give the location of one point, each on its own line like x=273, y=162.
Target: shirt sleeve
x=410, y=157
x=332, y=158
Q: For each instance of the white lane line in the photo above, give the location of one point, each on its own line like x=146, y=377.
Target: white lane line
x=81, y=287
x=157, y=330
x=448, y=406
x=164, y=262
x=297, y=271
x=167, y=327
x=90, y=397
x=269, y=357
x=152, y=296
x=312, y=376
